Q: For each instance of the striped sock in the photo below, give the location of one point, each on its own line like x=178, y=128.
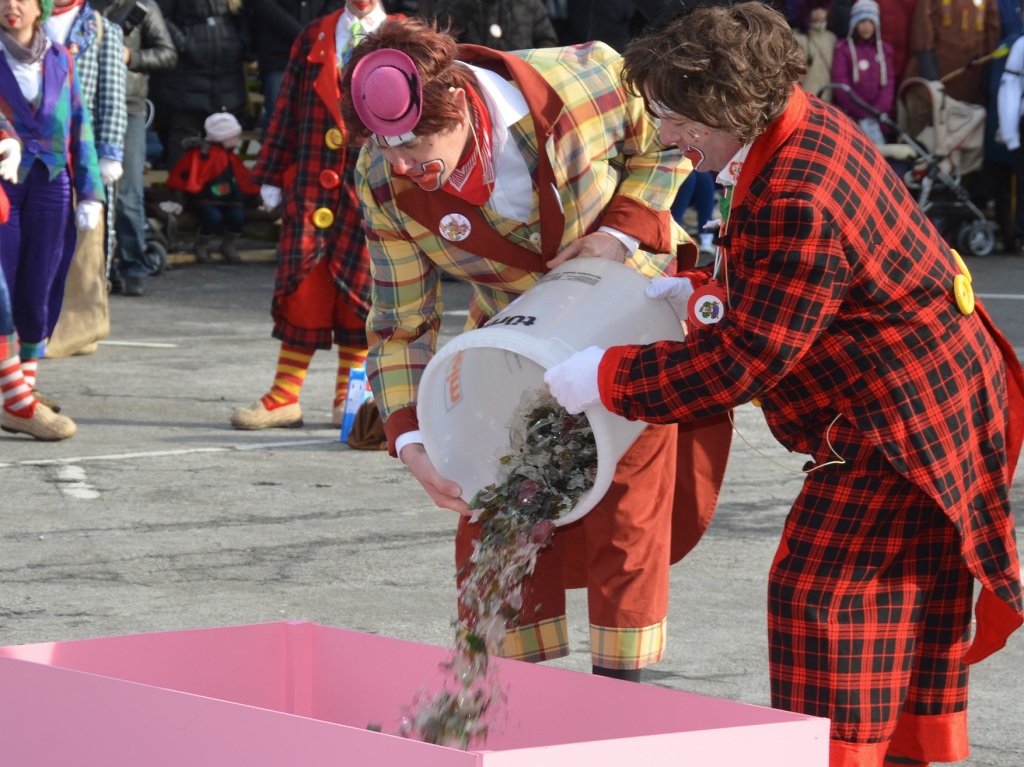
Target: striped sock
x=28, y=369
x=16, y=393
x=292, y=365
x=348, y=357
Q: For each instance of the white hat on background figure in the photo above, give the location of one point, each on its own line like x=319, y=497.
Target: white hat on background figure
x=221, y=126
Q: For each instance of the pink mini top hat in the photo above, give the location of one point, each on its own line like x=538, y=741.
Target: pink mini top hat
x=388, y=95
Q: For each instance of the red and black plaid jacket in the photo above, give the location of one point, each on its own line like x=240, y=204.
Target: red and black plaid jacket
x=315, y=172
x=841, y=302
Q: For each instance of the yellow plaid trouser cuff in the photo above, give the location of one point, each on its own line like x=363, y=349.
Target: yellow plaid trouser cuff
x=628, y=648
x=535, y=642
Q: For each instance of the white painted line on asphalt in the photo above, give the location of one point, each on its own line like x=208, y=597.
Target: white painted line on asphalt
x=73, y=484
x=143, y=344
x=164, y=453
x=457, y=313
x=990, y=296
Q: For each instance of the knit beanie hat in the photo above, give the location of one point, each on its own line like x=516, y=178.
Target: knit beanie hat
x=866, y=9
x=221, y=126
x=45, y=8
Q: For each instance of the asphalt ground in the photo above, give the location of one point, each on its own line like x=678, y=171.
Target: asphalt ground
x=158, y=515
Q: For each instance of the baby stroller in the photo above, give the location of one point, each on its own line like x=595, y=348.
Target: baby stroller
x=939, y=141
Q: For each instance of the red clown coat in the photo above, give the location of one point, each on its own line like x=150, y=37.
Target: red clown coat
x=308, y=155
x=199, y=167
x=841, y=302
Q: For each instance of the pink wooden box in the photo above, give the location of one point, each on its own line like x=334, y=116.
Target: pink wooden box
x=297, y=694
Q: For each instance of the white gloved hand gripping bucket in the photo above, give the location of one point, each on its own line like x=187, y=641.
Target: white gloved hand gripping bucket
x=474, y=383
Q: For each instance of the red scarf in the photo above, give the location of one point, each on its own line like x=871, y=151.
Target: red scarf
x=473, y=179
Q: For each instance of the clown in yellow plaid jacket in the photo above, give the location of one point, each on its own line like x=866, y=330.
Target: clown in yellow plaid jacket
x=595, y=159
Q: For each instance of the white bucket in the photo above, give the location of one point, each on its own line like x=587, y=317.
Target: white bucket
x=472, y=386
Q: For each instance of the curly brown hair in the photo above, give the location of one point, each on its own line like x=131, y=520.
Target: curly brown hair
x=731, y=68
x=434, y=52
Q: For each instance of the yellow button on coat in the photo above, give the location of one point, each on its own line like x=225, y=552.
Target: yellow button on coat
x=964, y=294
x=322, y=218
x=756, y=402
x=334, y=138
x=963, y=267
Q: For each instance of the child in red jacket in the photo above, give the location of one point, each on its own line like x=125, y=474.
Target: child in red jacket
x=212, y=172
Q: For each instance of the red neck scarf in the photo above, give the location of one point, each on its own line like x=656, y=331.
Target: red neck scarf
x=473, y=179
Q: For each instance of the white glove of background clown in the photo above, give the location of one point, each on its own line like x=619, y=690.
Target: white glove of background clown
x=87, y=214
x=110, y=170
x=10, y=150
x=573, y=382
x=271, y=196
x=675, y=290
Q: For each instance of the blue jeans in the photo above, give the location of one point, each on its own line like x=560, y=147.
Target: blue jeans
x=271, y=88
x=131, y=211
x=211, y=217
x=699, y=188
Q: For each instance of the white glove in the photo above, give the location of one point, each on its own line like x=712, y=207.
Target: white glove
x=675, y=290
x=271, y=196
x=10, y=149
x=87, y=215
x=110, y=170
x=172, y=207
x=573, y=382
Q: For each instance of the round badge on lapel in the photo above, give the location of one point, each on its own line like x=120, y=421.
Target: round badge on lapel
x=706, y=305
x=455, y=227
x=73, y=49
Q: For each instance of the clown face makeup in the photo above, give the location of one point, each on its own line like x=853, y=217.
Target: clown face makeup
x=429, y=160
x=706, y=148
x=359, y=8
x=19, y=17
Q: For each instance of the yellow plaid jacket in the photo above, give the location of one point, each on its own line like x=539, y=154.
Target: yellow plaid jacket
x=596, y=159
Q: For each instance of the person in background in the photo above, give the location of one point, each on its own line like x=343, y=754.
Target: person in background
x=322, y=284
x=946, y=35
x=819, y=46
x=58, y=159
x=612, y=22
x=275, y=25
x=504, y=25
x=96, y=47
x=851, y=323
x=863, y=61
x=147, y=48
x=212, y=40
x=16, y=395
x=495, y=167
x=895, y=17
x=1010, y=103
x=213, y=174
x=698, y=190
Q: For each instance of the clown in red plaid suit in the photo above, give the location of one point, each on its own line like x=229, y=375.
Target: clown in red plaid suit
x=848, y=319
x=306, y=162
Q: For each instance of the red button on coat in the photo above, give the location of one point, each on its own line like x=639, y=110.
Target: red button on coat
x=329, y=179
